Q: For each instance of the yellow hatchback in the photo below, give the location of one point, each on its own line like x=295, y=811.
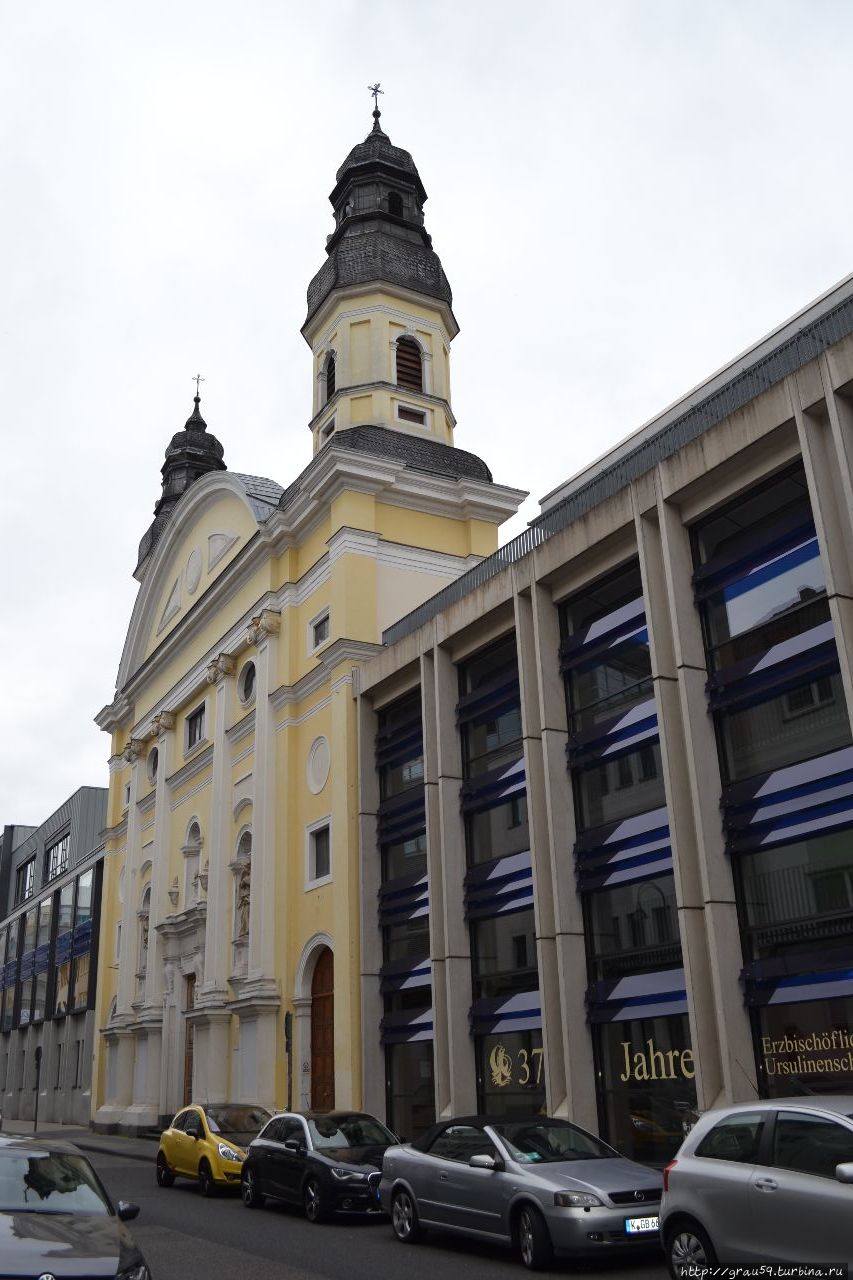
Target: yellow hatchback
x=207, y=1142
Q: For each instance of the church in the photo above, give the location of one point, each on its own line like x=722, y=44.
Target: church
x=232, y=880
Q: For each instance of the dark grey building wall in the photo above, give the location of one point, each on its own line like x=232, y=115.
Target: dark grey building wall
x=83, y=815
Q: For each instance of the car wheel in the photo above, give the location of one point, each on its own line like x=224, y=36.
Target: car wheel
x=165, y=1177
x=534, y=1240
x=313, y=1201
x=688, y=1246
x=252, y=1197
x=404, y=1218
x=206, y=1185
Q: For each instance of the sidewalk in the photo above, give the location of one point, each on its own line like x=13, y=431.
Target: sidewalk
x=113, y=1144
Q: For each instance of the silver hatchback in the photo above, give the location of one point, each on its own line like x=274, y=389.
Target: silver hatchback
x=545, y=1185
x=763, y=1182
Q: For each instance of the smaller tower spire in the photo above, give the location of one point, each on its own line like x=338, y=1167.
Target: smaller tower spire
x=375, y=90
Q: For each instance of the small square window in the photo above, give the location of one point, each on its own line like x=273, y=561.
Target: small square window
x=25, y=880
x=56, y=858
x=126, y=800
x=195, y=728
x=319, y=870
x=319, y=630
x=408, y=414
x=327, y=431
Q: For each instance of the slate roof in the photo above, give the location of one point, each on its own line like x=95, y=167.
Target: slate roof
x=263, y=494
x=377, y=146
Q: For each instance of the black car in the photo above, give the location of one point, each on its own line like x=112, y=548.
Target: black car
x=329, y=1162
x=56, y=1218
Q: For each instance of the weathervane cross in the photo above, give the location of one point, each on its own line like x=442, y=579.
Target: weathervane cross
x=375, y=90
x=197, y=379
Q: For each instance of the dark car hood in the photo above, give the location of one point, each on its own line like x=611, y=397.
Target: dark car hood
x=64, y=1244
x=366, y=1158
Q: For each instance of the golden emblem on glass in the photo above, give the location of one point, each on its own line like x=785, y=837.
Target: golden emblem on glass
x=501, y=1066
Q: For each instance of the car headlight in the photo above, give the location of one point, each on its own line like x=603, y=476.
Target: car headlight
x=575, y=1200
x=348, y=1175
x=138, y=1271
x=228, y=1153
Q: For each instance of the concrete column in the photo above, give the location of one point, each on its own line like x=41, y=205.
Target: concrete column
x=262, y=909
x=160, y=905
x=686, y=865
x=129, y=922
x=826, y=440
x=462, y=1076
x=373, y=1059
x=435, y=873
x=217, y=940
x=578, y=1069
x=722, y=1042
x=211, y=1055
x=540, y=846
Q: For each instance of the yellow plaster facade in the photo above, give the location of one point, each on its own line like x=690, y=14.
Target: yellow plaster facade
x=231, y=861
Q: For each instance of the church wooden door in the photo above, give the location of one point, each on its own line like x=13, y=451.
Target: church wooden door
x=323, y=1033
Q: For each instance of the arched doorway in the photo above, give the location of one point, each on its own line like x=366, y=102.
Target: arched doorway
x=323, y=1032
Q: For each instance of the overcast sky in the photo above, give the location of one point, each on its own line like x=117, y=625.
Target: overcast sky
x=623, y=195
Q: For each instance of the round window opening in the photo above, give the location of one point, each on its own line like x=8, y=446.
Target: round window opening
x=153, y=761
x=247, y=683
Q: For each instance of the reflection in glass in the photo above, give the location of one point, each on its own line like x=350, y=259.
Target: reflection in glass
x=411, y=1094
x=504, y=955
x=510, y=1074
x=805, y=1048
x=803, y=722
x=617, y=789
x=498, y=832
x=634, y=927
x=52, y=1183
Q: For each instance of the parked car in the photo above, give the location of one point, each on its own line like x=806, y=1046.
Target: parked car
x=329, y=1162
x=544, y=1185
x=208, y=1142
x=763, y=1182
x=56, y=1218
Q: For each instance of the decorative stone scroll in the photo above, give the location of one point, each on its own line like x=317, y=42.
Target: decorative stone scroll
x=133, y=750
x=265, y=623
x=222, y=666
x=163, y=722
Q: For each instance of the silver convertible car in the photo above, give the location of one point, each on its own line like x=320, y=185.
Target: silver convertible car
x=541, y=1184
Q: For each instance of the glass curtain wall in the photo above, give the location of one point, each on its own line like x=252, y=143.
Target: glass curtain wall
x=506, y=1016
x=784, y=743
x=636, y=997
x=406, y=976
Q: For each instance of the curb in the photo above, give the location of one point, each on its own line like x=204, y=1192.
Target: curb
x=114, y=1151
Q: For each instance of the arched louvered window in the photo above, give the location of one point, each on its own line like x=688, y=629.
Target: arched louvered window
x=330, y=377
x=409, y=365
x=395, y=204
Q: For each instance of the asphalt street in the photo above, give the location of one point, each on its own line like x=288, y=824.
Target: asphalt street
x=185, y=1237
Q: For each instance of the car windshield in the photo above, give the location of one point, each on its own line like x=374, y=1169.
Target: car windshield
x=537, y=1141
x=228, y=1120
x=349, y=1131
x=51, y=1183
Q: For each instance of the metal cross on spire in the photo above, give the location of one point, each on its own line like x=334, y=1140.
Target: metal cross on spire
x=197, y=379
x=375, y=90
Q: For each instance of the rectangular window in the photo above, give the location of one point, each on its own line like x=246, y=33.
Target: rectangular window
x=11, y=974
x=319, y=855
x=404, y=859
x=58, y=1081
x=613, y=790
x=633, y=928
x=62, y=953
x=498, y=832
x=805, y=1048
x=320, y=630
x=56, y=858
x=800, y=894
x=411, y=415
x=408, y=940
x=25, y=878
x=411, y=1093
x=766, y=736
x=510, y=1073
x=647, y=1089
x=195, y=727
x=78, y=1064
x=498, y=944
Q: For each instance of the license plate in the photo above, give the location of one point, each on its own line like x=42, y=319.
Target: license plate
x=635, y=1226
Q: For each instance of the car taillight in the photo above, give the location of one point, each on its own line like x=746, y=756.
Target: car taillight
x=667, y=1172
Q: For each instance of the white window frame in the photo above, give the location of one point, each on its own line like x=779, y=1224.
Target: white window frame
x=202, y=707
x=314, y=882
x=324, y=615
x=327, y=430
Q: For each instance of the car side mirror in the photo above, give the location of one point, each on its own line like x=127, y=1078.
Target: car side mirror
x=844, y=1172
x=293, y=1144
x=127, y=1211
x=486, y=1162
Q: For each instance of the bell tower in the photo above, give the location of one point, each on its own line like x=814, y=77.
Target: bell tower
x=380, y=317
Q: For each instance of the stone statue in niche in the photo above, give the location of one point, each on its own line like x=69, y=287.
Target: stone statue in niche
x=244, y=893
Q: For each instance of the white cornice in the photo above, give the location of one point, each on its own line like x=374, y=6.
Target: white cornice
x=241, y=729
x=320, y=321
x=191, y=769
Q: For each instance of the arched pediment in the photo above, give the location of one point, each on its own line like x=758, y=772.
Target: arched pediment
x=213, y=521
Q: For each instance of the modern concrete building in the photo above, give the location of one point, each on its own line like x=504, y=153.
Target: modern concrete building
x=606, y=779
x=51, y=881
